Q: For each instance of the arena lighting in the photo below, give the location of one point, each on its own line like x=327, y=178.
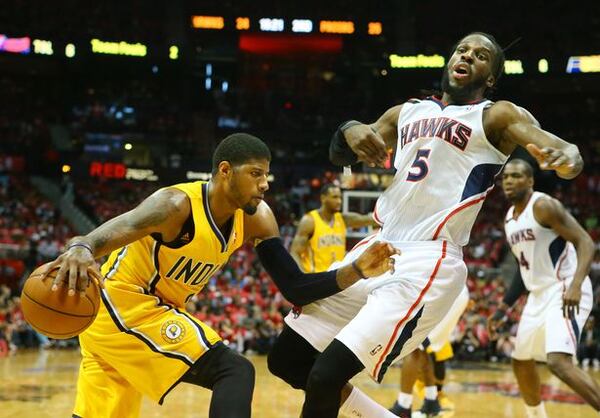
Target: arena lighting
x=173, y=52
x=543, y=65
x=118, y=48
x=271, y=25
x=375, y=28
x=584, y=64
x=69, y=50
x=15, y=45
x=66, y=168
x=242, y=23
x=336, y=26
x=513, y=67
x=416, y=61
x=43, y=47
x=128, y=146
x=302, y=25
x=208, y=22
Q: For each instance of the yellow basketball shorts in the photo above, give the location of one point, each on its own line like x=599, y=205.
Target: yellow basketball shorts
x=443, y=353
x=137, y=346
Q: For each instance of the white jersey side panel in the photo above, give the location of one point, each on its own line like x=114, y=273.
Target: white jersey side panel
x=445, y=168
x=544, y=257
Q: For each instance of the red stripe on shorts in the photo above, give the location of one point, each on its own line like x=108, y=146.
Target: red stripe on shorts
x=412, y=308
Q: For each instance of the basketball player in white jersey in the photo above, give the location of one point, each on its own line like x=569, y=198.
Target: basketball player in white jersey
x=448, y=150
x=554, y=254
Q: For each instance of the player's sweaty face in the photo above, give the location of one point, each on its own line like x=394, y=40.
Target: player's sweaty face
x=251, y=182
x=471, y=61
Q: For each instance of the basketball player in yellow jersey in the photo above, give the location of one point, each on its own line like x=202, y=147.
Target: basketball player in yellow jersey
x=321, y=236
x=163, y=252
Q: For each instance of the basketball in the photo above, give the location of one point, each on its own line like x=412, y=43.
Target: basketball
x=55, y=314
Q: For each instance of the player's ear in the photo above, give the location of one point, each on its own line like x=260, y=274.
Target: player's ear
x=491, y=80
x=225, y=170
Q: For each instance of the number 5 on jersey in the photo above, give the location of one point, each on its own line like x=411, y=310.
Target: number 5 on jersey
x=419, y=169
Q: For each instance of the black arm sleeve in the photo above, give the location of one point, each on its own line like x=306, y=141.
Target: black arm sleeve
x=339, y=151
x=515, y=290
x=297, y=287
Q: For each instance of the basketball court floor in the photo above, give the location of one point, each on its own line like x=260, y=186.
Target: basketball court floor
x=41, y=384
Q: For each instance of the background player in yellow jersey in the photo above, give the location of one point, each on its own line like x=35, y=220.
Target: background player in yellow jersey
x=321, y=236
x=162, y=252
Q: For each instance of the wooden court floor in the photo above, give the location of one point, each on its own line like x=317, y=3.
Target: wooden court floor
x=41, y=384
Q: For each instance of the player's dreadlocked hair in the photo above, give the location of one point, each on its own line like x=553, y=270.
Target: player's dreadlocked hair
x=239, y=148
x=499, y=58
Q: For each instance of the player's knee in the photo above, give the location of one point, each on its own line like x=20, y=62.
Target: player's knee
x=243, y=368
x=559, y=364
x=281, y=365
x=323, y=379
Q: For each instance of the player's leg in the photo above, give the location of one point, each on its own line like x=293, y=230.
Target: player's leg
x=562, y=337
x=292, y=359
x=528, y=380
x=431, y=404
x=411, y=367
x=561, y=365
x=103, y=392
x=230, y=376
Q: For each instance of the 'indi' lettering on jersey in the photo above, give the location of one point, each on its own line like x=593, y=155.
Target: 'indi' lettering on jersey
x=521, y=235
x=450, y=130
x=327, y=240
x=192, y=271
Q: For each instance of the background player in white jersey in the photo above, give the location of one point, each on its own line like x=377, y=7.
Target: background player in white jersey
x=448, y=150
x=554, y=254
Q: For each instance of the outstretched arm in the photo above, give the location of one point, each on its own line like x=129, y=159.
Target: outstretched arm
x=354, y=141
x=300, y=288
x=551, y=213
x=305, y=230
x=509, y=125
x=356, y=220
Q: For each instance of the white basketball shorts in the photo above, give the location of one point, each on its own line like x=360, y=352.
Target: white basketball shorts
x=543, y=329
x=385, y=318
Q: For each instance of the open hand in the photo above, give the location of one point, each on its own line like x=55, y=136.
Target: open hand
x=377, y=259
x=553, y=159
x=76, y=267
x=571, y=299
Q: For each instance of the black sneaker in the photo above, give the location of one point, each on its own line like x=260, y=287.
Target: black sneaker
x=431, y=407
x=399, y=411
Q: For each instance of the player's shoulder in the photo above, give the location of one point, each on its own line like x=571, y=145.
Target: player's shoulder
x=546, y=208
x=506, y=110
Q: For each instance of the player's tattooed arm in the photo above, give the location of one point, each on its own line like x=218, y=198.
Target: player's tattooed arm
x=164, y=212
x=304, y=232
x=356, y=220
x=507, y=126
x=550, y=213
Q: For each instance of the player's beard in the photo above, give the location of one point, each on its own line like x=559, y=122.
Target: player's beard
x=461, y=94
x=249, y=209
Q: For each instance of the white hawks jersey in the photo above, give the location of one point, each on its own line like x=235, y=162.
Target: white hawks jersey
x=445, y=168
x=544, y=257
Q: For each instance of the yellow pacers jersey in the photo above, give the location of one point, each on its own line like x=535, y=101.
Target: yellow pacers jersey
x=143, y=340
x=327, y=244
x=178, y=270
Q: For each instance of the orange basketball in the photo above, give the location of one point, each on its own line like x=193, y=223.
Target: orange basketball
x=55, y=314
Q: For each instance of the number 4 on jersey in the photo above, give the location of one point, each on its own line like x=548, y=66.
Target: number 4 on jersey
x=523, y=261
x=419, y=169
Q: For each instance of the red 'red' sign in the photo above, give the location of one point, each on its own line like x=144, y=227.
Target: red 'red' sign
x=108, y=170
